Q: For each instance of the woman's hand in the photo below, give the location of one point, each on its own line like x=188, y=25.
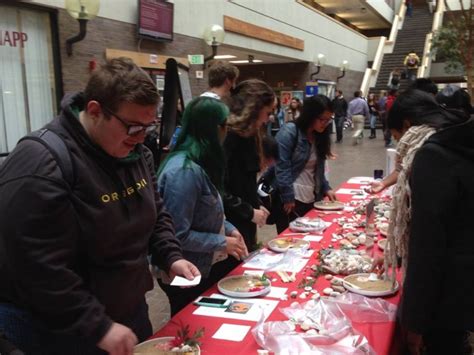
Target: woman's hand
x=289, y=207
x=260, y=216
x=376, y=187
x=331, y=195
x=236, y=247
x=119, y=340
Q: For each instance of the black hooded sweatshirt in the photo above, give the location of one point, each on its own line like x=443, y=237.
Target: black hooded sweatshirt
x=76, y=256
x=439, y=284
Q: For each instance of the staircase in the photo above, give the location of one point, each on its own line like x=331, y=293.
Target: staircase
x=411, y=37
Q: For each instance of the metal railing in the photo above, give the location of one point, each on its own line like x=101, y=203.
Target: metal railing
x=425, y=67
x=385, y=46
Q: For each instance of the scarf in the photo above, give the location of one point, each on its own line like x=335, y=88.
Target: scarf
x=400, y=212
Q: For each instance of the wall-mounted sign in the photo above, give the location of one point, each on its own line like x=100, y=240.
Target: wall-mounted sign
x=196, y=58
x=311, y=88
x=13, y=38
x=199, y=74
x=155, y=19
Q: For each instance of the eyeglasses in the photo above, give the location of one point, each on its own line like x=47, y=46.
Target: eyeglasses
x=133, y=129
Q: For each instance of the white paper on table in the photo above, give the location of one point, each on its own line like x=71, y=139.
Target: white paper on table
x=360, y=180
x=350, y=192
x=182, y=281
x=232, y=332
x=313, y=238
x=349, y=209
x=258, y=273
x=254, y=314
x=359, y=197
x=277, y=292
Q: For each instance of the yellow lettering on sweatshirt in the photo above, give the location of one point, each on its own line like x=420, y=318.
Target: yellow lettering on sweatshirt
x=129, y=191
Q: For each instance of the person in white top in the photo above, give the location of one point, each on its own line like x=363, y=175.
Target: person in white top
x=222, y=78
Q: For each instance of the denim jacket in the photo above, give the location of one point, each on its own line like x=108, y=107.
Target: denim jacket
x=197, y=211
x=295, y=150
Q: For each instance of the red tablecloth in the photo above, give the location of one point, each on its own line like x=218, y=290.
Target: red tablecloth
x=379, y=335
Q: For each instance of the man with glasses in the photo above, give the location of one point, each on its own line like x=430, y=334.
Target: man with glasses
x=73, y=254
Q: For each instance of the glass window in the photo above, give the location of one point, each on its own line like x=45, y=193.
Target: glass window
x=27, y=83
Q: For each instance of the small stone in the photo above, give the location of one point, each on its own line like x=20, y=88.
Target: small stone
x=262, y=352
x=305, y=326
x=314, y=291
x=293, y=294
x=328, y=290
x=328, y=277
x=312, y=332
x=303, y=295
x=339, y=288
x=335, y=294
x=294, y=305
x=309, y=277
x=336, y=281
x=274, y=280
x=308, y=288
x=315, y=296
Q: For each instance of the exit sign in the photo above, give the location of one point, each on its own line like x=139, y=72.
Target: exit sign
x=196, y=59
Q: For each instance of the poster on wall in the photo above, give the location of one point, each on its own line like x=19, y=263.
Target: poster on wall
x=311, y=88
x=285, y=98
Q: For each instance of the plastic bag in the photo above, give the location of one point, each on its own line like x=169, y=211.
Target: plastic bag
x=310, y=225
x=362, y=309
x=335, y=335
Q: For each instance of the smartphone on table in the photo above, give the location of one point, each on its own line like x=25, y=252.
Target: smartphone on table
x=212, y=302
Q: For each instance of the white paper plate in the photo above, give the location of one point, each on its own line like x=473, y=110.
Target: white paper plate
x=241, y=286
x=329, y=205
x=148, y=347
x=353, y=287
x=280, y=245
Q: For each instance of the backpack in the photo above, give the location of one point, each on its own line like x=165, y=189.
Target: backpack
x=57, y=148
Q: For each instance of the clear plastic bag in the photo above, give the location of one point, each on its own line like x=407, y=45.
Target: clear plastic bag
x=334, y=334
x=362, y=309
x=310, y=225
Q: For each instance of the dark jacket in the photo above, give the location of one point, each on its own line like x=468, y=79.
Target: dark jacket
x=439, y=285
x=240, y=199
x=340, y=107
x=76, y=256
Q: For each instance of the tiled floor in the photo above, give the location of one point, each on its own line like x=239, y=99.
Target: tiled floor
x=359, y=160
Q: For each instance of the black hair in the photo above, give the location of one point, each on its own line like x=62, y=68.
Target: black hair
x=426, y=85
x=313, y=108
x=453, y=97
x=357, y=93
x=419, y=107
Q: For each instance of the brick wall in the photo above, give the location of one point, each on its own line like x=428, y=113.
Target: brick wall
x=295, y=75
x=105, y=33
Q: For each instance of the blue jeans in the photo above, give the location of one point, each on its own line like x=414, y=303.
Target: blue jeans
x=33, y=338
x=373, y=120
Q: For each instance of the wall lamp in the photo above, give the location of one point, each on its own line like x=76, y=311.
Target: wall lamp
x=319, y=61
x=213, y=36
x=344, y=66
x=82, y=11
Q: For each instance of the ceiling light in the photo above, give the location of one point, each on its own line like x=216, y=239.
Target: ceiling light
x=245, y=61
x=225, y=56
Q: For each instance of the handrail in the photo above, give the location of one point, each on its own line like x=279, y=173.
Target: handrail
x=385, y=46
x=425, y=69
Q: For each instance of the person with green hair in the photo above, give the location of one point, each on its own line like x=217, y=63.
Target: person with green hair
x=191, y=182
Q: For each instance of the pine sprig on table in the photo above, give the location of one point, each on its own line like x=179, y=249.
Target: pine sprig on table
x=183, y=336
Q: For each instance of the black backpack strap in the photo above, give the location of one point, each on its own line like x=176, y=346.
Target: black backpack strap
x=57, y=148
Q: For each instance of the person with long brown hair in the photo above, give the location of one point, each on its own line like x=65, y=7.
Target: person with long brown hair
x=250, y=106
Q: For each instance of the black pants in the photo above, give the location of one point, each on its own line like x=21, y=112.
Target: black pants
x=283, y=219
x=442, y=342
x=339, y=120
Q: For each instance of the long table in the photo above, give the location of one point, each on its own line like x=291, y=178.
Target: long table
x=379, y=335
